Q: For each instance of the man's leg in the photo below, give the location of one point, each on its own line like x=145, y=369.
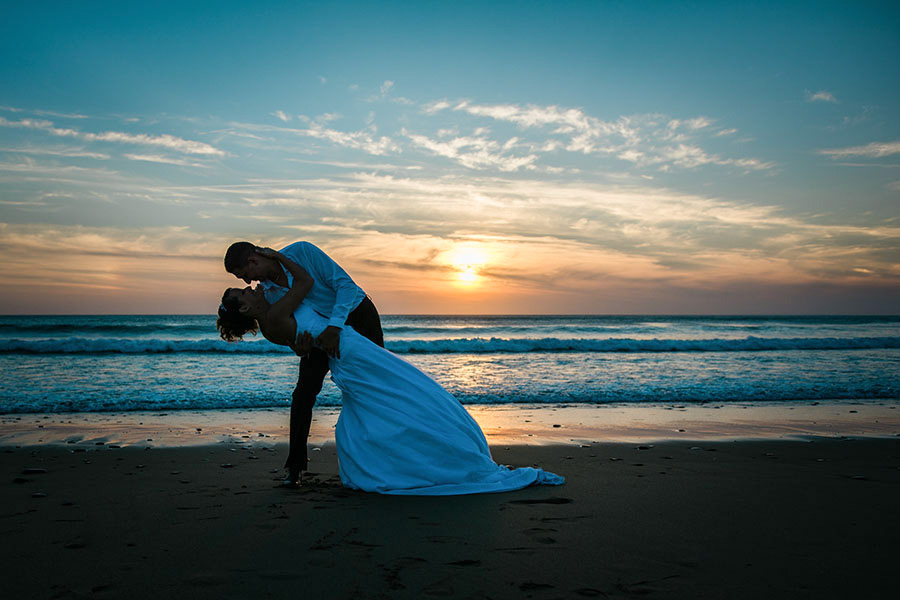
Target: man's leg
x=365, y=320
x=313, y=369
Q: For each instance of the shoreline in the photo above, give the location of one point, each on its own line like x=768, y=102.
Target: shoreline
x=528, y=424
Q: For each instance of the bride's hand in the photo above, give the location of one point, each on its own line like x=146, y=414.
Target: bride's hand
x=303, y=344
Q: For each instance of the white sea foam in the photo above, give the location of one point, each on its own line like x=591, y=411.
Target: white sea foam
x=79, y=345
x=174, y=362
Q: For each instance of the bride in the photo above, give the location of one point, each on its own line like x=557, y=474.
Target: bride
x=399, y=431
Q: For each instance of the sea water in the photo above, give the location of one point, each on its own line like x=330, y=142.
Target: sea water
x=171, y=362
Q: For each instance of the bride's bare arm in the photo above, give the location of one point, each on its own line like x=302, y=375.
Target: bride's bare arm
x=300, y=286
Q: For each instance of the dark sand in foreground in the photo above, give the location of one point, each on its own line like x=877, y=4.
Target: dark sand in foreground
x=680, y=519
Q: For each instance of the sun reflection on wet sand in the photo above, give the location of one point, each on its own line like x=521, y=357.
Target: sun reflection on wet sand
x=502, y=425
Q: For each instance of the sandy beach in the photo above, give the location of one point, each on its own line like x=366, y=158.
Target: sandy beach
x=805, y=517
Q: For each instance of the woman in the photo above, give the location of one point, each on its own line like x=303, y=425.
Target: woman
x=399, y=431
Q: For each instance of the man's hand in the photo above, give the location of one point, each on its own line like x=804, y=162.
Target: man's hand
x=330, y=341
x=303, y=344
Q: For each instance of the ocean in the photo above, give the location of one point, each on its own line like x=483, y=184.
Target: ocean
x=173, y=362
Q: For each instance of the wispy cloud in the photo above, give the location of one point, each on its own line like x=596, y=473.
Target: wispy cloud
x=584, y=131
x=170, y=142
x=156, y=158
x=540, y=239
x=65, y=152
x=820, y=96
x=873, y=150
x=44, y=113
x=357, y=166
x=366, y=139
x=385, y=94
x=643, y=140
x=651, y=233
x=689, y=157
x=280, y=114
x=475, y=152
x=435, y=106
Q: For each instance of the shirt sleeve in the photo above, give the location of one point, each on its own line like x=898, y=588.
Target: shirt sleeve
x=325, y=271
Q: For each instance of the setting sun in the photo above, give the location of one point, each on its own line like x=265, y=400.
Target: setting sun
x=468, y=275
x=468, y=261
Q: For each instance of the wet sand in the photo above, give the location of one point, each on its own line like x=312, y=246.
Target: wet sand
x=811, y=517
x=502, y=424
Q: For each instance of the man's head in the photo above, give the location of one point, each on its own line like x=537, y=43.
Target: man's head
x=242, y=261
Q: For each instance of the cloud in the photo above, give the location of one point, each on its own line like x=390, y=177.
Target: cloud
x=649, y=141
x=30, y=169
x=651, y=232
x=643, y=140
x=45, y=113
x=65, y=152
x=384, y=94
x=692, y=156
x=820, y=96
x=691, y=124
x=148, y=242
x=282, y=115
x=565, y=239
x=435, y=107
x=475, y=152
x=156, y=158
x=583, y=131
x=364, y=139
x=357, y=166
x=165, y=140
x=873, y=150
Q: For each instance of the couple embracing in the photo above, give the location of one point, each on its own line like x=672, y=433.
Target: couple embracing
x=399, y=431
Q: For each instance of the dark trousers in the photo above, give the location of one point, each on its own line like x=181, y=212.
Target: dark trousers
x=313, y=368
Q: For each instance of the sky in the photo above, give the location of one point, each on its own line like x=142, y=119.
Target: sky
x=455, y=157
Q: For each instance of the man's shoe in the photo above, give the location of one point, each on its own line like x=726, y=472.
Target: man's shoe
x=292, y=480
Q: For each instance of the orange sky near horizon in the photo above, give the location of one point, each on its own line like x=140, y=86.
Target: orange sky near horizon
x=90, y=273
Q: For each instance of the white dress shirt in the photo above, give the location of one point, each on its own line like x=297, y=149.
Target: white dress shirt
x=333, y=295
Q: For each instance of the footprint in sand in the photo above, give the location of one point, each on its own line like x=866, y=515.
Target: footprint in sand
x=551, y=500
x=540, y=535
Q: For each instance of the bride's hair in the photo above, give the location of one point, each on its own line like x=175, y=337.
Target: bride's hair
x=232, y=323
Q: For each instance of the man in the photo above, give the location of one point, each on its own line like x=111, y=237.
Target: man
x=334, y=296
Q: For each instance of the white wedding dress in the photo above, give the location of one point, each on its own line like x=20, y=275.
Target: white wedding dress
x=400, y=432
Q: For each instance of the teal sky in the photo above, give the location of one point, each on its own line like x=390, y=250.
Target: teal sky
x=587, y=157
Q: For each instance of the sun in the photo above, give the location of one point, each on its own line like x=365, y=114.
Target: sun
x=467, y=275
x=468, y=261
